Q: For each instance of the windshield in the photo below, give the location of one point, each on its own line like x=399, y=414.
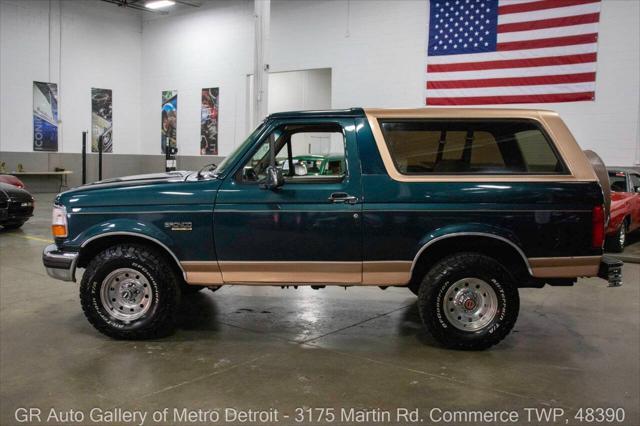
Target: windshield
x=231, y=158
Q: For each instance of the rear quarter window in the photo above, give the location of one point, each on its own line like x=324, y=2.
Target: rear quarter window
x=424, y=146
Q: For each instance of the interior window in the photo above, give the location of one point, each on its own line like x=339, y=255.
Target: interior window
x=618, y=181
x=304, y=153
x=473, y=146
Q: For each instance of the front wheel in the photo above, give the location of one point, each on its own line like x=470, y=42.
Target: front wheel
x=129, y=292
x=468, y=301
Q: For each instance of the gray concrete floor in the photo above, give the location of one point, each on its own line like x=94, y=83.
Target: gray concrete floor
x=262, y=348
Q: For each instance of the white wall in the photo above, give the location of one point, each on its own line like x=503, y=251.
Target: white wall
x=376, y=50
x=98, y=46
x=299, y=90
x=211, y=46
x=304, y=90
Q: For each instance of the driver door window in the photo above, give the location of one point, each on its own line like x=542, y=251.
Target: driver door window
x=304, y=153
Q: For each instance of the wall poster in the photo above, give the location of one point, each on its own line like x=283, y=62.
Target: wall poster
x=45, y=116
x=209, y=122
x=169, y=119
x=101, y=119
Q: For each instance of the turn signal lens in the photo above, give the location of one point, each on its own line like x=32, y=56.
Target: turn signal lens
x=597, y=227
x=59, y=222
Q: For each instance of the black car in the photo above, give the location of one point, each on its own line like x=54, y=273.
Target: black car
x=16, y=206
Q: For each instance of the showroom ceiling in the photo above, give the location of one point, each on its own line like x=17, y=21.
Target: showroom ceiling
x=140, y=5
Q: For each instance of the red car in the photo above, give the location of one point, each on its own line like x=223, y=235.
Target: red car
x=11, y=180
x=625, y=206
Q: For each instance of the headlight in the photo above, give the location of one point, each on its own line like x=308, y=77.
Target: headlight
x=59, y=222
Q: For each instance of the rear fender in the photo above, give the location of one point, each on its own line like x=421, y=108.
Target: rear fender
x=469, y=229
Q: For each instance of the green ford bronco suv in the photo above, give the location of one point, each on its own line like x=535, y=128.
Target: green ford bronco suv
x=461, y=206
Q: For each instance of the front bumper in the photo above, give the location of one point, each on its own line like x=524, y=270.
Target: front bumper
x=611, y=270
x=60, y=265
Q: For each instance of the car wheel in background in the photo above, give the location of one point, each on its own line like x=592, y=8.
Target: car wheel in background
x=616, y=243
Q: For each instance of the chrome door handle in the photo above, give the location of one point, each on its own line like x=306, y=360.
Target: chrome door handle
x=342, y=197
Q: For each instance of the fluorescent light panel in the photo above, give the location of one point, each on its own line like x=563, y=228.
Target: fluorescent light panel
x=159, y=4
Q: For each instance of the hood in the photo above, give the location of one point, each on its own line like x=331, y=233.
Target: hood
x=173, y=188
x=11, y=180
x=9, y=191
x=135, y=180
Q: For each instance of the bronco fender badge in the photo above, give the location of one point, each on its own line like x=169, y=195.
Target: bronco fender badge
x=179, y=226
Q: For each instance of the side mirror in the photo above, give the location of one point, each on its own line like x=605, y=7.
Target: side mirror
x=637, y=189
x=274, y=178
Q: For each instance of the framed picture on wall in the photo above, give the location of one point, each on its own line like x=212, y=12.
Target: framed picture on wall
x=209, y=121
x=169, y=119
x=101, y=119
x=45, y=116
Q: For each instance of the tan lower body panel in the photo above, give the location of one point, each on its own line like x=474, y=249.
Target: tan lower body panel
x=565, y=267
x=392, y=272
x=269, y=273
x=202, y=273
x=381, y=273
x=292, y=272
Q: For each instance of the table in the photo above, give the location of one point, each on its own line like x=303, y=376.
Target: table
x=61, y=174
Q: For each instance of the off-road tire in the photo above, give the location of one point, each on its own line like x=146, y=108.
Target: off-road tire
x=442, y=276
x=613, y=243
x=158, y=321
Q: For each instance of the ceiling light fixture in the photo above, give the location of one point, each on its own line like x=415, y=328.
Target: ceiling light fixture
x=159, y=4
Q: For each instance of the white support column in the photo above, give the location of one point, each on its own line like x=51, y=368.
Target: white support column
x=262, y=15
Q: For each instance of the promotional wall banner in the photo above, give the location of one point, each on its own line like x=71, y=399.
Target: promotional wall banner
x=101, y=119
x=169, y=118
x=45, y=116
x=209, y=122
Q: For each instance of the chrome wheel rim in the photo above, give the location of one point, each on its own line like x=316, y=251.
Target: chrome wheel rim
x=126, y=294
x=622, y=236
x=470, y=304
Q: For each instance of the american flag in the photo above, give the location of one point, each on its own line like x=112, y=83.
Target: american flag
x=511, y=51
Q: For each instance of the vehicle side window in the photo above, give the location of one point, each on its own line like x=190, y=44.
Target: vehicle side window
x=635, y=182
x=538, y=156
x=618, y=181
x=301, y=154
x=469, y=147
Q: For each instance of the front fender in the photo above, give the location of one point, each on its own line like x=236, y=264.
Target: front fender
x=122, y=226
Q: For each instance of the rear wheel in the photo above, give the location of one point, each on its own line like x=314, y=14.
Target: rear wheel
x=468, y=301
x=130, y=292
